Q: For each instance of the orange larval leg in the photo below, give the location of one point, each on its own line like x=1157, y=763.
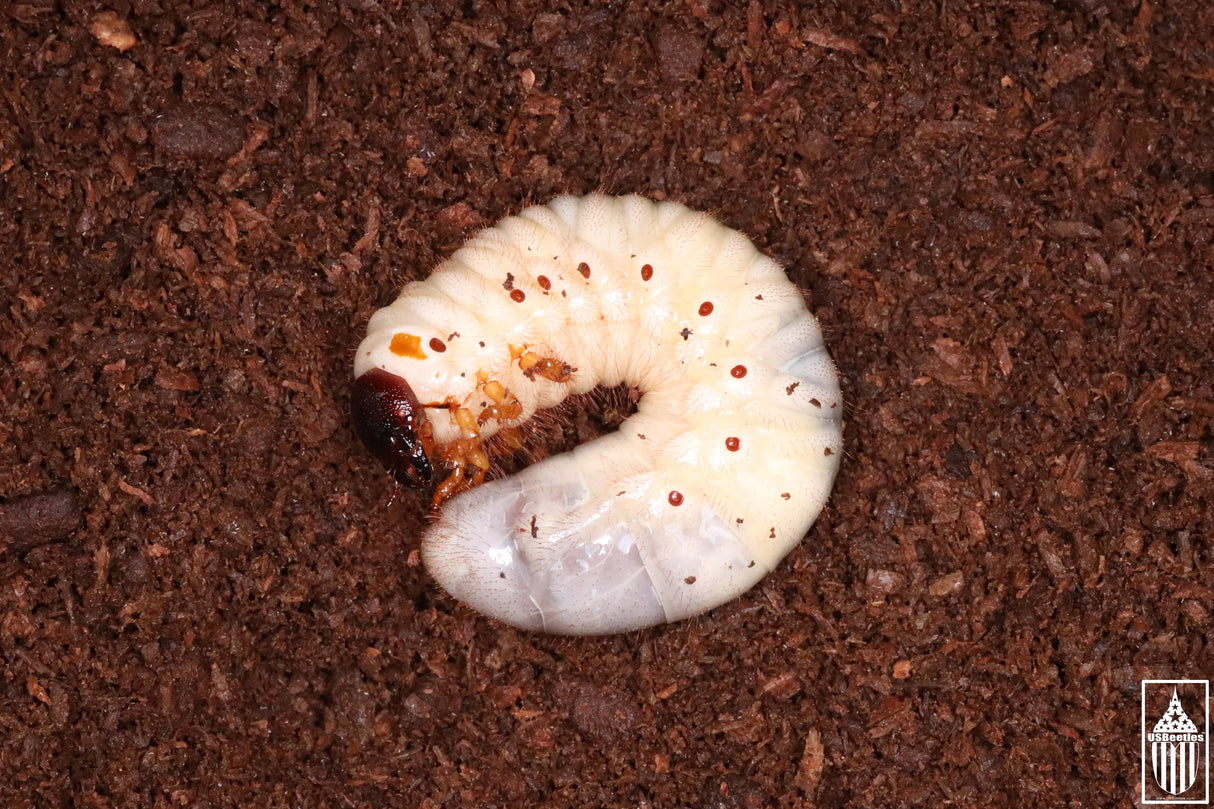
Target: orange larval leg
x=448, y=487
x=550, y=368
x=505, y=407
x=465, y=457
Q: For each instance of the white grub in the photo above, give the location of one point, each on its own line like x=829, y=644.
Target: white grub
x=720, y=472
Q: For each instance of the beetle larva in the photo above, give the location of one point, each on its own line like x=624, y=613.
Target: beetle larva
x=700, y=493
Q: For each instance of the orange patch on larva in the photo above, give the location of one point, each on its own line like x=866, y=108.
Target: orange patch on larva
x=407, y=345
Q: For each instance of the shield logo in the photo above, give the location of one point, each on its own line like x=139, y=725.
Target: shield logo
x=1175, y=747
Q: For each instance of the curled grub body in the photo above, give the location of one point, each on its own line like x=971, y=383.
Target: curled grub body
x=720, y=472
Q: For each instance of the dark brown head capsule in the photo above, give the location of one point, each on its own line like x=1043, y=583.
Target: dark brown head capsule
x=390, y=421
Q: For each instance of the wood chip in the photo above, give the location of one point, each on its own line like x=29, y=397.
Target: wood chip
x=110, y=29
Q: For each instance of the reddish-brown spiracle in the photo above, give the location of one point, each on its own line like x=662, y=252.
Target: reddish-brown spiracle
x=390, y=421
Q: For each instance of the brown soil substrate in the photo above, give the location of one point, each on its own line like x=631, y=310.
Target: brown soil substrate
x=1002, y=212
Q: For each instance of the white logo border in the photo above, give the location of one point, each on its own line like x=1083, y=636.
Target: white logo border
x=1143, y=732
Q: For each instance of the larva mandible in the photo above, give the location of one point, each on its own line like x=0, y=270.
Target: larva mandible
x=720, y=472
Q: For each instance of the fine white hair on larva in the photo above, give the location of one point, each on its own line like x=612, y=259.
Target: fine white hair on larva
x=700, y=493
